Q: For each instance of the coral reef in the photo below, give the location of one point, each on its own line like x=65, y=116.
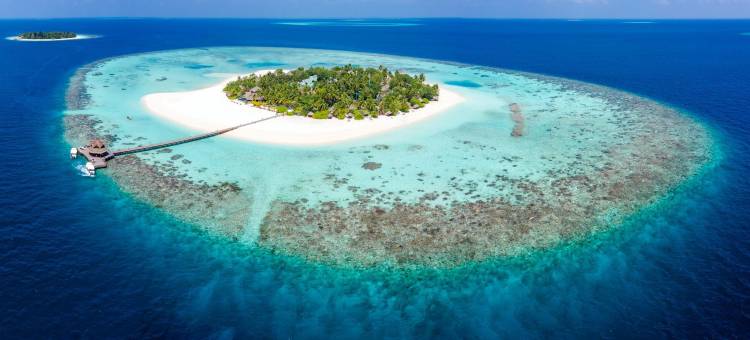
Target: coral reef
x=573, y=173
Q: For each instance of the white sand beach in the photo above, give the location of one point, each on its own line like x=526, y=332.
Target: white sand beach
x=78, y=37
x=209, y=109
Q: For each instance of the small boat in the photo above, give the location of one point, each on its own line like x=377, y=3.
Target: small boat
x=91, y=169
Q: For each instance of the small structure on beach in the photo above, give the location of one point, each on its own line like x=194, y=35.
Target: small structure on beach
x=253, y=95
x=309, y=81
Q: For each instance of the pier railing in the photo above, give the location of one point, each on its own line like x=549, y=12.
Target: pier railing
x=174, y=142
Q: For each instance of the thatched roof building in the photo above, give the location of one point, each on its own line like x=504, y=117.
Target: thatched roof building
x=97, y=148
x=253, y=95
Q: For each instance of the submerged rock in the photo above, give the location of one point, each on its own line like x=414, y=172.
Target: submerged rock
x=76, y=95
x=80, y=129
x=221, y=208
x=371, y=166
x=518, y=119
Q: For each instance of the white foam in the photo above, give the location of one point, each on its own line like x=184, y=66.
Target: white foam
x=77, y=37
x=82, y=170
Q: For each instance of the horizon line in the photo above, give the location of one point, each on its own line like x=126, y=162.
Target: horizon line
x=375, y=18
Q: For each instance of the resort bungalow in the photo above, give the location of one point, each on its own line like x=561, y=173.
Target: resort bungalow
x=252, y=95
x=96, y=148
x=96, y=154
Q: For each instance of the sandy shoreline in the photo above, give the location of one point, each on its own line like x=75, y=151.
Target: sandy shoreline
x=209, y=109
x=78, y=37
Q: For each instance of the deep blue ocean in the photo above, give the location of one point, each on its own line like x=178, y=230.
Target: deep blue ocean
x=679, y=270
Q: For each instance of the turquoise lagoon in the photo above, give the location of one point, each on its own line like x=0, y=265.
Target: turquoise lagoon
x=456, y=188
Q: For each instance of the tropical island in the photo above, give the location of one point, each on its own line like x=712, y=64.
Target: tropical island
x=210, y=109
x=528, y=163
x=340, y=92
x=47, y=35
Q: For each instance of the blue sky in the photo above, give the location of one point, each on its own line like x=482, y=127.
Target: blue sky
x=379, y=8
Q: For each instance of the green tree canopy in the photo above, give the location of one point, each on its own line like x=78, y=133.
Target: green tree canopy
x=47, y=35
x=340, y=91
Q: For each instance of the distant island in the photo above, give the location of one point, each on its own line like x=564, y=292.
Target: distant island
x=47, y=35
x=339, y=92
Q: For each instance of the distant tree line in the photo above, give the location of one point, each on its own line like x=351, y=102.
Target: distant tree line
x=47, y=35
x=338, y=92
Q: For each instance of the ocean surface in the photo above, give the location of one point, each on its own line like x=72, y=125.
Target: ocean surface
x=80, y=258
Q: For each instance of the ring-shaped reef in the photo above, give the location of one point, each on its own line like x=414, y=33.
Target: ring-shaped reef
x=525, y=163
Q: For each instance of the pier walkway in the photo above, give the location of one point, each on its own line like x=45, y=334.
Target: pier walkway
x=97, y=154
x=184, y=140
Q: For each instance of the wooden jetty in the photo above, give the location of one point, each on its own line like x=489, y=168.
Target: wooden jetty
x=97, y=154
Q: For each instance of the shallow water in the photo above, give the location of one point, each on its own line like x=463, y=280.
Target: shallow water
x=678, y=269
x=570, y=159
x=117, y=86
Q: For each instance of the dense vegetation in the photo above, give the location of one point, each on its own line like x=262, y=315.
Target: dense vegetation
x=47, y=35
x=340, y=92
